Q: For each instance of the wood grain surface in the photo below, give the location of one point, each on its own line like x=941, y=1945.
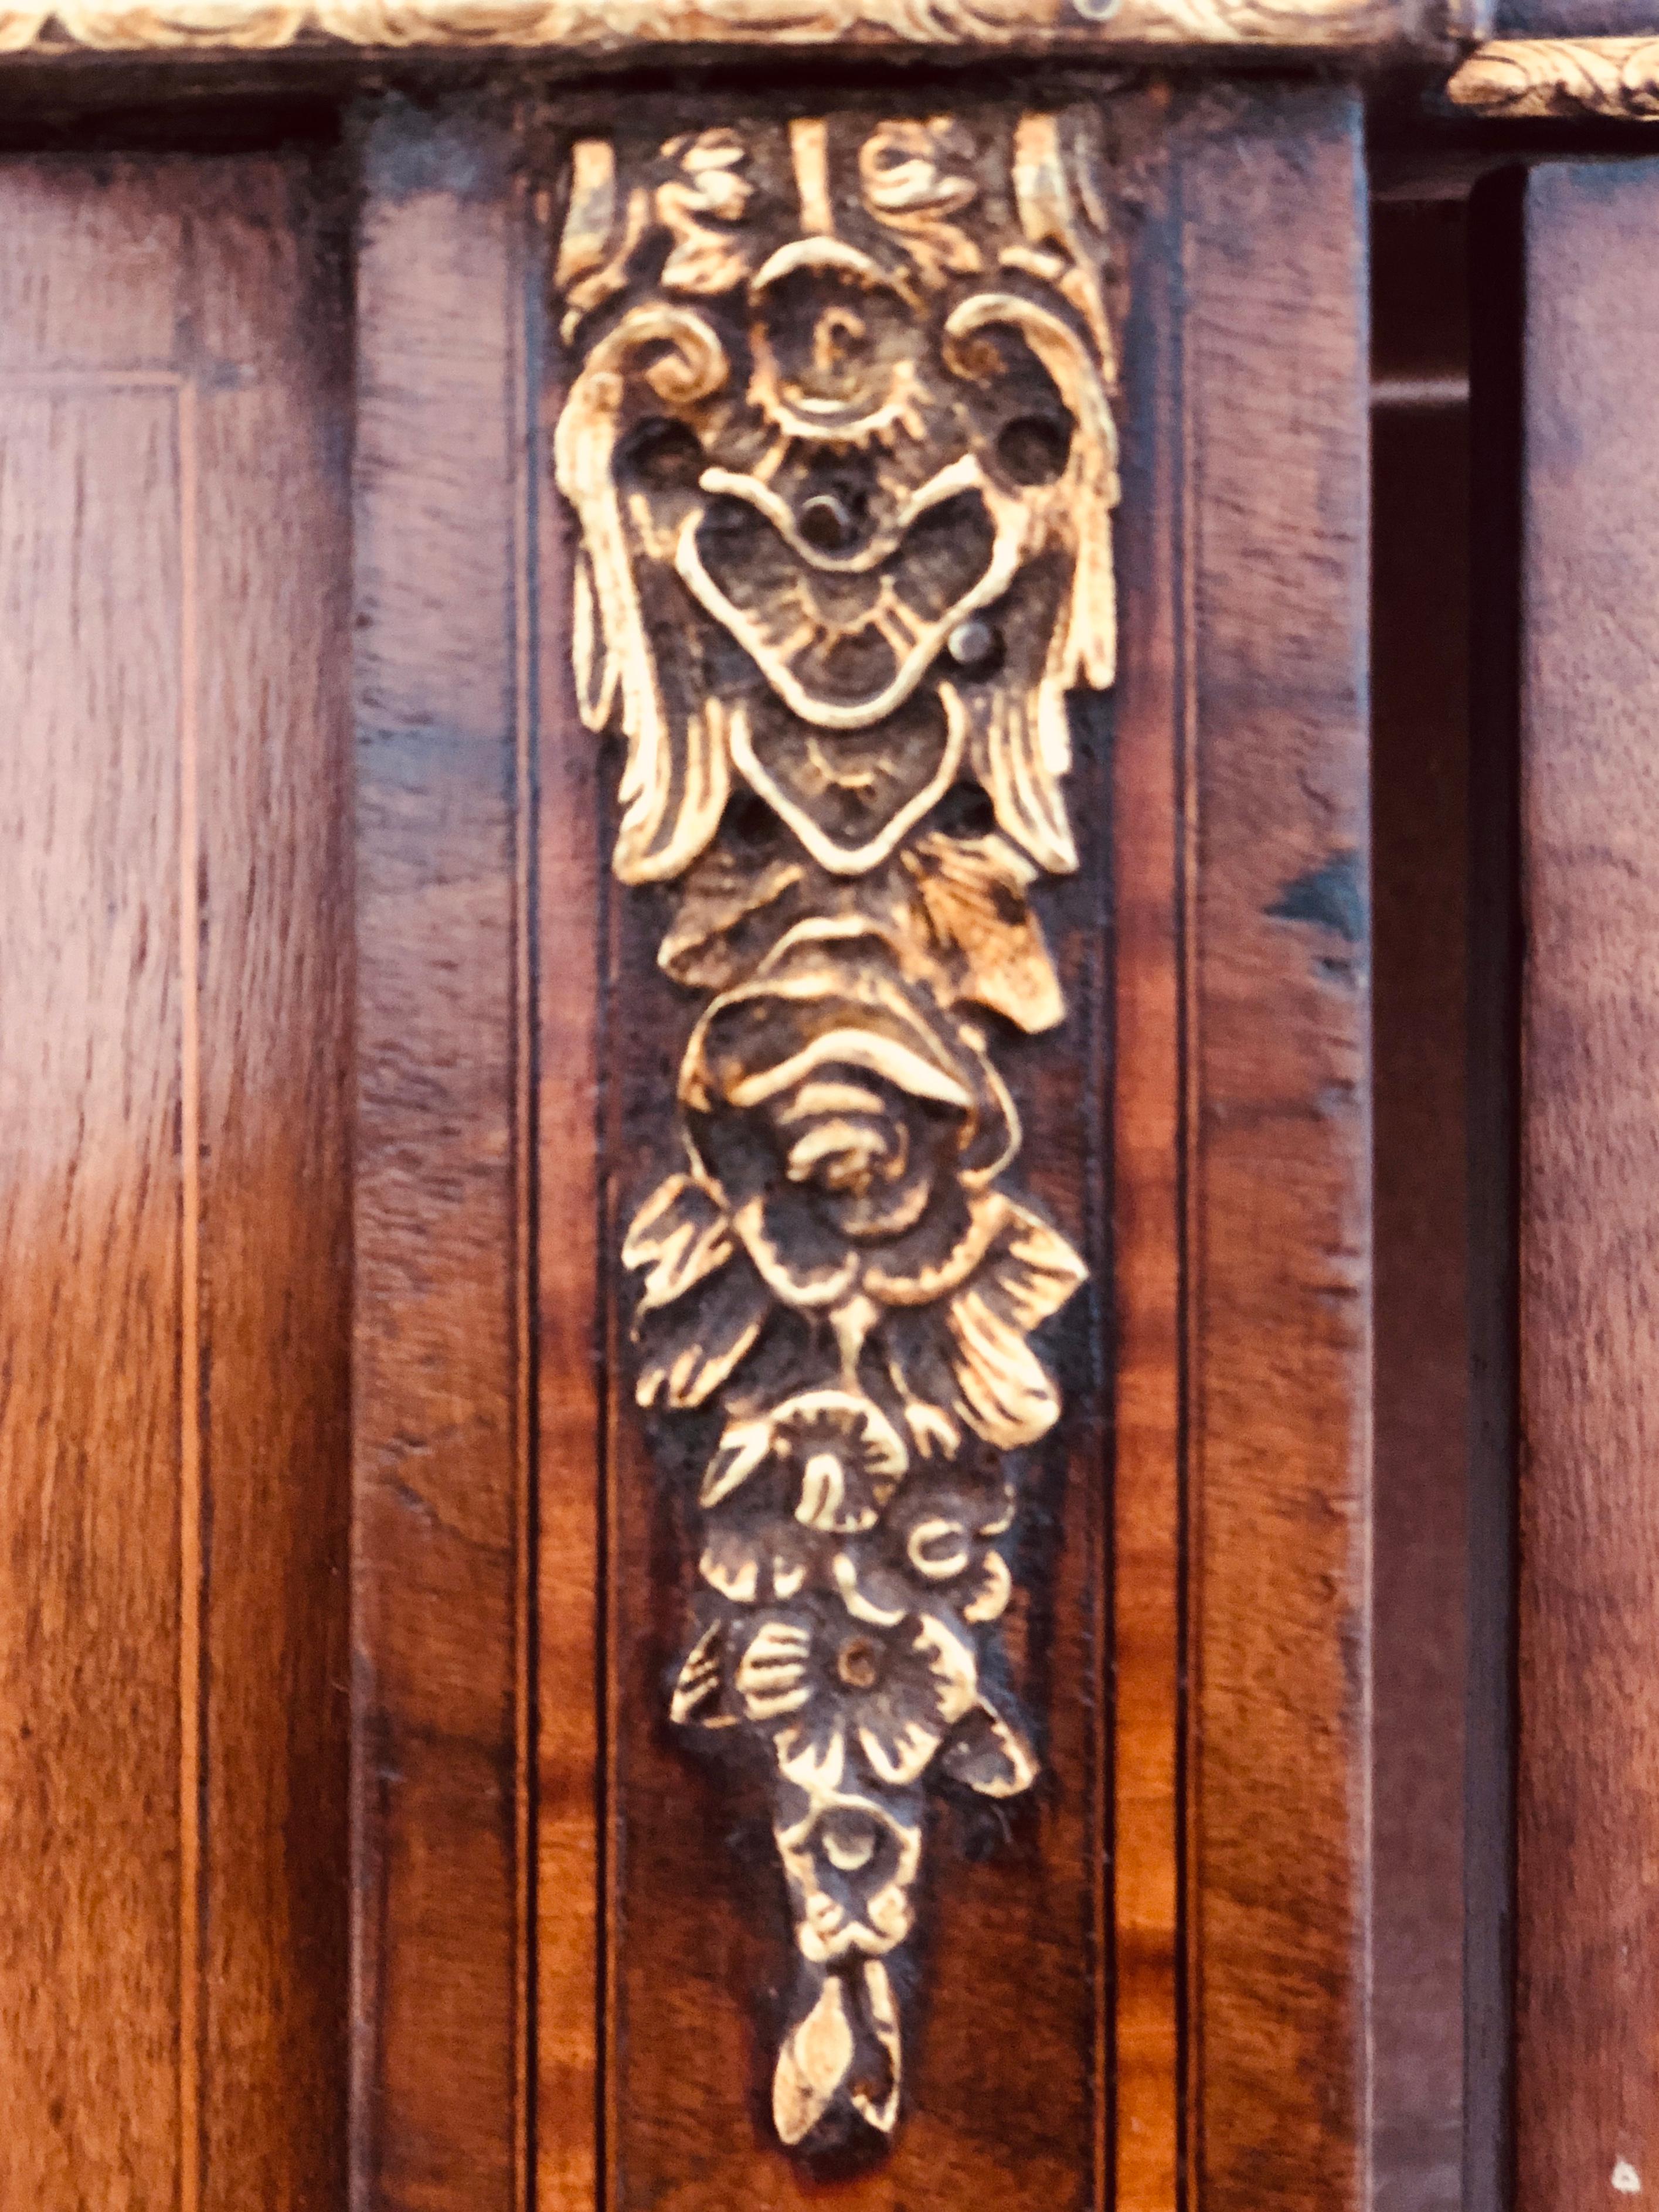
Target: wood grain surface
x=1008, y=2095
x=175, y=918
x=1420, y=782
x=330, y=1057
x=1274, y=379
x=442, y=1412
x=1587, y=2094
x=1231, y=959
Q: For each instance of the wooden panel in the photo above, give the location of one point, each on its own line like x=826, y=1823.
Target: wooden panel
x=1420, y=724
x=1497, y=252
x=1219, y=925
x=172, y=1202
x=1587, y=2097
x=699, y=1938
x=442, y=1411
x=1275, y=375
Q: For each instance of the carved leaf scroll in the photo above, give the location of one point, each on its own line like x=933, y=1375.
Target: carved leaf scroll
x=840, y=441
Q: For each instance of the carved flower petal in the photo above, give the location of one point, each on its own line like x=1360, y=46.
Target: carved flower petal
x=950, y=1662
x=972, y=892
x=808, y=1286
x=1029, y=1272
x=1007, y=1393
x=880, y=2017
x=813, y=2064
x=722, y=902
x=996, y=1586
x=939, y=1548
x=743, y=1447
x=813, y=1754
x=692, y=1347
x=991, y=1755
x=731, y=1564
x=774, y=1676
x=898, y=1750
x=680, y=1235
x=701, y=1683
x=866, y=1850
x=869, y=1591
x=932, y=1430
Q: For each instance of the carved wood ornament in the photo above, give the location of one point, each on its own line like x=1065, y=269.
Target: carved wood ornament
x=841, y=444
x=1524, y=77
x=609, y=27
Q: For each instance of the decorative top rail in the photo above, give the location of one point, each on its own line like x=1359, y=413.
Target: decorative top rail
x=596, y=28
x=1567, y=78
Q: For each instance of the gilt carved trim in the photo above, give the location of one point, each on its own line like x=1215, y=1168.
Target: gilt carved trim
x=840, y=440
x=596, y=28
x=1522, y=77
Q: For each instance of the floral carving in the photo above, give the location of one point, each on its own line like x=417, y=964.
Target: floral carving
x=609, y=26
x=841, y=445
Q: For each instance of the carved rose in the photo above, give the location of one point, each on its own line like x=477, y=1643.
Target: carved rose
x=844, y=1133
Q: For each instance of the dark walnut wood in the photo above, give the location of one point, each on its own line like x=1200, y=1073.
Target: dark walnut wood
x=1239, y=1199
x=1586, y=1940
x=174, y=978
x=443, y=1413
x=1279, y=1282
x=1053, y=1070
x=1574, y=19
x=839, y=439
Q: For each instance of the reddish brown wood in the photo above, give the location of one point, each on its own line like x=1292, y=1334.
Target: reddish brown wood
x=566, y=1937
x=175, y=916
x=1148, y=1105
x=1278, y=1252
x=1239, y=842
x=442, y=1410
x=1009, y=2096
x=1588, y=1881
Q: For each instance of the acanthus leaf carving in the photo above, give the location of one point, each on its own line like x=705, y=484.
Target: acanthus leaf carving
x=840, y=442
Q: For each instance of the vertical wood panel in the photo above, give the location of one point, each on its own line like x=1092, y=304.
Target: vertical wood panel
x=442, y=1438
x=1007, y=2101
x=1276, y=395
x=172, y=1194
x=271, y=637
x=1420, y=616
x=90, y=1811
x=1588, y=1868
x=1148, y=1101
x=572, y=901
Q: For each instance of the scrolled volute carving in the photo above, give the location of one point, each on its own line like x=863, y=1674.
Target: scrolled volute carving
x=840, y=441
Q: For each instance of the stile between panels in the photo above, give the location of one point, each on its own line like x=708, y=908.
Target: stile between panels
x=1586, y=1907
x=1099, y=1834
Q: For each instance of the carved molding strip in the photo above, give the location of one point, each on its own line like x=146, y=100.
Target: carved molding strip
x=1520, y=78
x=841, y=444
x=597, y=28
